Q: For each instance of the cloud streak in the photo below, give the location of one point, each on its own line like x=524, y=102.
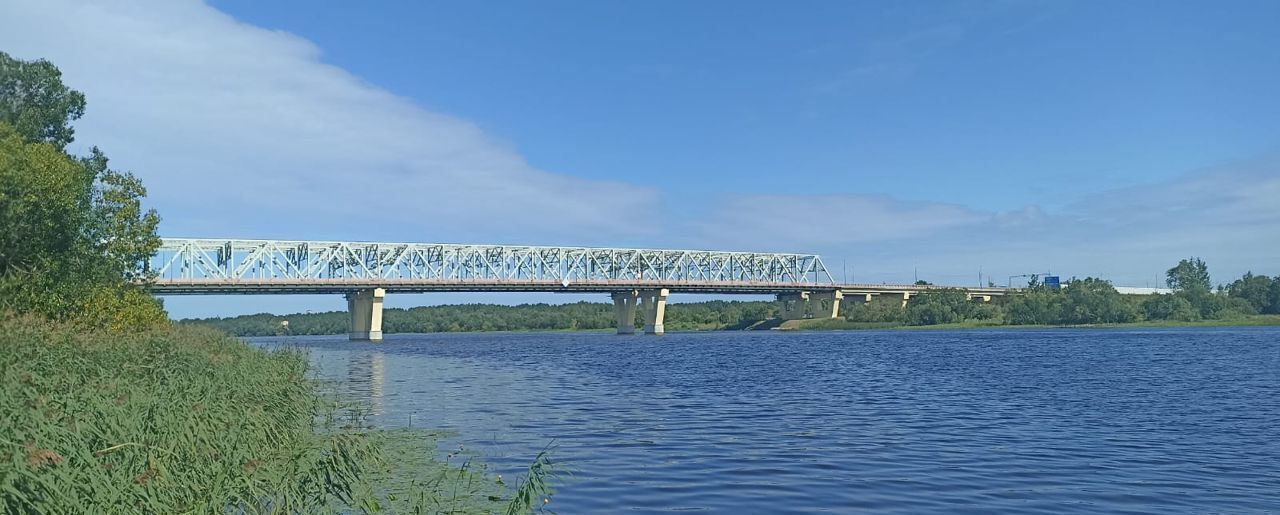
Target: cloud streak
x=234, y=126
x=1229, y=215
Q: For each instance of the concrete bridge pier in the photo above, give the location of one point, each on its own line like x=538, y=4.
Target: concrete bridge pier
x=906, y=297
x=365, y=307
x=825, y=304
x=624, y=310
x=793, y=305
x=655, y=309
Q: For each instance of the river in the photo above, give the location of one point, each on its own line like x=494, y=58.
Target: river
x=1051, y=421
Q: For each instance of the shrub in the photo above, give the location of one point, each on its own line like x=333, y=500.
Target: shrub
x=942, y=306
x=1169, y=307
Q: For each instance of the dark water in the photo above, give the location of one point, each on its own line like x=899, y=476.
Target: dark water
x=911, y=422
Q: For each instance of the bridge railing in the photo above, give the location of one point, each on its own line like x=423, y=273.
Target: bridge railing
x=239, y=261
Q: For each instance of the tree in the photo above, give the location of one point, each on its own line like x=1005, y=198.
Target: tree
x=1189, y=274
x=1038, y=305
x=36, y=103
x=74, y=230
x=1254, y=289
x=1094, y=301
x=941, y=306
x=1169, y=307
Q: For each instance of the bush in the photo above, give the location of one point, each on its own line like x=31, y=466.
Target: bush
x=877, y=311
x=1169, y=307
x=988, y=311
x=942, y=306
x=1208, y=306
x=1094, y=301
x=1037, y=306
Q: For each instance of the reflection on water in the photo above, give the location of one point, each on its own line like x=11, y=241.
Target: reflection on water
x=1170, y=421
x=365, y=379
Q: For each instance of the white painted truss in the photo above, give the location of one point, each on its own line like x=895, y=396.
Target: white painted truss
x=263, y=266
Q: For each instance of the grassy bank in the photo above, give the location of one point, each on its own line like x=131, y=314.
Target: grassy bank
x=180, y=420
x=838, y=324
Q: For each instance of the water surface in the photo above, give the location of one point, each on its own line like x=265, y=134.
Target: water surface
x=1052, y=421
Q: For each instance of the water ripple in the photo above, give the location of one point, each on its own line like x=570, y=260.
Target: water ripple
x=1121, y=421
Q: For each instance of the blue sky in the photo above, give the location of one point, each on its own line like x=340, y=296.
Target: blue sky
x=1090, y=138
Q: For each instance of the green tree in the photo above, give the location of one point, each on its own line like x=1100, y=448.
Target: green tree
x=36, y=103
x=1189, y=274
x=1038, y=305
x=74, y=230
x=1094, y=301
x=1256, y=290
x=1273, y=297
x=941, y=306
x=877, y=311
x=1169, y=307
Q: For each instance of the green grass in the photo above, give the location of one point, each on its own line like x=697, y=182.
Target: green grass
x=187, y=420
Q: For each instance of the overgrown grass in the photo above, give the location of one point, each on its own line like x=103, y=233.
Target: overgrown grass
x=187, y=420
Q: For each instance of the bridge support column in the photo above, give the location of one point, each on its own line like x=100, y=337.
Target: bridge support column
x=906, y=296
x=825, y=304
x=793, y=305
x=868, y=299
x=655, y=309
x=365, y=308
x=624, y=309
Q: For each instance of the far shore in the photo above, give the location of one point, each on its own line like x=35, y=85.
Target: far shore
x=836, y=324
x=839, y=324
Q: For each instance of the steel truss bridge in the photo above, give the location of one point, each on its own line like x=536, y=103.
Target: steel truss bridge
x=366, y=271
x=188, y=266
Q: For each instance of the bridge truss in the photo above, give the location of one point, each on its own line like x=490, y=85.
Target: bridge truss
x=266, y=266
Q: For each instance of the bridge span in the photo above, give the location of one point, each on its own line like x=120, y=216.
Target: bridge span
x=634, y=278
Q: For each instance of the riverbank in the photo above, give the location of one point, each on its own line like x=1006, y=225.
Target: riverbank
x=179, y=420
x=837, y=324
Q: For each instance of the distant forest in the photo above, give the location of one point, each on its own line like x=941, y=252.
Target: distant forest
x=579, y=316
x=1079, y=302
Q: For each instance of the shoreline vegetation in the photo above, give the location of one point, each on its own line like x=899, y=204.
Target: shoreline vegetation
x=1252, y=300
x=108, y=407
x=184, y=419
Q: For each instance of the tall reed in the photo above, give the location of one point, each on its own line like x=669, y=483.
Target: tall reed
x=187, y=420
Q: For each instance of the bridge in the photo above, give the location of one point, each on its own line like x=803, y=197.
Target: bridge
x=365, y=272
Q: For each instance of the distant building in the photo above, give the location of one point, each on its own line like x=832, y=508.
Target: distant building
x=1130, y=290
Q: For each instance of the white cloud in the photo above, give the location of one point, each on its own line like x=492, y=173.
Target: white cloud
x=1228, y=215
x=795, y=222
x=239, y=130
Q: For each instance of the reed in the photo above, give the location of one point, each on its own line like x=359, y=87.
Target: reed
x=188, y=420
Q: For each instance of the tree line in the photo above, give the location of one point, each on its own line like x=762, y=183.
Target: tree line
x=584, y=316
x=1088, y=301
x=1079, y=302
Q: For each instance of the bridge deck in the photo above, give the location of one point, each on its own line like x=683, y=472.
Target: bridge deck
x=287, y=286
x=229, y=266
